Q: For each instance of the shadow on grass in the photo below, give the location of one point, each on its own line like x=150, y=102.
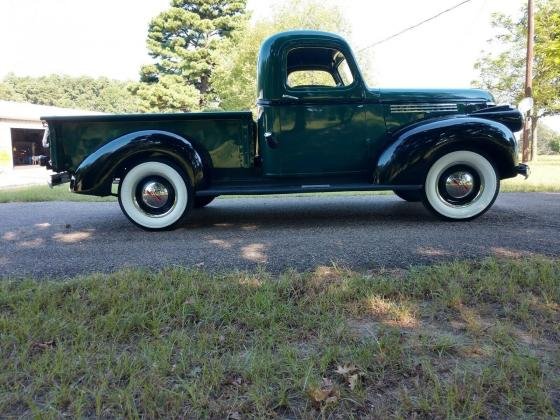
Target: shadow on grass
x=453, y=340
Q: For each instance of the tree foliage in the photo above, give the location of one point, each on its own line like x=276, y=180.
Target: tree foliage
x=503, y=72
x=181, y=40
x=101, y=94
x=549, y=140
x=169, y=94
x=202, y=50
x=234, y=78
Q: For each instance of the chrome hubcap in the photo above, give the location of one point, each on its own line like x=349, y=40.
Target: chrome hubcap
x=459, y=184
x=155, y=195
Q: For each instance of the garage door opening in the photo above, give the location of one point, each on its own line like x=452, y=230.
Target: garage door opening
x=27, y=147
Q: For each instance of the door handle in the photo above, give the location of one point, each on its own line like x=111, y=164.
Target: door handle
x=270, y=140
x=293, y=98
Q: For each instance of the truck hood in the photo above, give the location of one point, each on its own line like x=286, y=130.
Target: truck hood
x=432, y=95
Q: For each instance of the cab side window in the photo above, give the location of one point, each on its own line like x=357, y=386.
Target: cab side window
x=315, y=67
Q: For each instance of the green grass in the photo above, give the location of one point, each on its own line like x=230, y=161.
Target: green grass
x=44, y=193
x=545, y=177
x=461, y=340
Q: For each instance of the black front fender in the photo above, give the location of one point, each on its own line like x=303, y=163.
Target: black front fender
x=413, y=149
x=96, y=172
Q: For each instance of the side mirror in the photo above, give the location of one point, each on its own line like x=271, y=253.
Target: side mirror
x=525, y=105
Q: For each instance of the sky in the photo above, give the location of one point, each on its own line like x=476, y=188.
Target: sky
x=108, y=37
x=440, y=53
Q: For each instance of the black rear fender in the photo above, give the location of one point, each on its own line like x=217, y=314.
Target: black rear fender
x=96, y=172
x=412, y=150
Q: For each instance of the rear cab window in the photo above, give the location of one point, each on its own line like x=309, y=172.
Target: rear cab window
x=317, y=67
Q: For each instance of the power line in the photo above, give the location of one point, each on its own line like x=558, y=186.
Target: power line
x=413, y=26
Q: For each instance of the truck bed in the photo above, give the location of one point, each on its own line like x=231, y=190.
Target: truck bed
x=226, y=137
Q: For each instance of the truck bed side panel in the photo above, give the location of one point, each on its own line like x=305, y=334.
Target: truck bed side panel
x=226, y=137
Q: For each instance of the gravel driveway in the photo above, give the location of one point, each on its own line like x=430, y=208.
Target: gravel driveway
x=59, y=239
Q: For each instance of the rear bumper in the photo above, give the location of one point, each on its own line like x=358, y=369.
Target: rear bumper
x=523, y=169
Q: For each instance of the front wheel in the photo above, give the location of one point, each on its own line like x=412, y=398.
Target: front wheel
x=154, y=195
x=461, y=185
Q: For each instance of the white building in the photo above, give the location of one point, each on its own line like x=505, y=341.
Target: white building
x=21, y=131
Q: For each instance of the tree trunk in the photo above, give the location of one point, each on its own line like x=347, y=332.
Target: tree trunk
x=203, y=87
x=534, y=137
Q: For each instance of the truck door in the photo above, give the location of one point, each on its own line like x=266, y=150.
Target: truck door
x=321, y=115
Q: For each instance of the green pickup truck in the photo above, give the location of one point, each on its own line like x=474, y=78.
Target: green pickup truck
x=318, y=128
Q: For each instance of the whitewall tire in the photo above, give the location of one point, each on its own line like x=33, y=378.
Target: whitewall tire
x=154, y=195
x=461, y=185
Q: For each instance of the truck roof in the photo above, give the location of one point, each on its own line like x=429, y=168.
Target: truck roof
x=301, y=34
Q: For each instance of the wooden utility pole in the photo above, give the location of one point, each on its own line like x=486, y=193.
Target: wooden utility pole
x=527, y=135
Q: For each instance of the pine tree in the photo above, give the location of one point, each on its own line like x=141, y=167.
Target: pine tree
x=181, y=40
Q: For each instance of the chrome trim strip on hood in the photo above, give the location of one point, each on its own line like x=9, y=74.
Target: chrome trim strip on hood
x=421, y=108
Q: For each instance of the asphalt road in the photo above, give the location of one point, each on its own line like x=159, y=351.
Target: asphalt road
x=60, y=239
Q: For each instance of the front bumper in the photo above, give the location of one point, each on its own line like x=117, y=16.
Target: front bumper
x=523, y=169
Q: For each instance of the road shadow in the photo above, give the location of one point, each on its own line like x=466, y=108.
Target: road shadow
x=357, y=211
x=62, y=239
x=302, y=213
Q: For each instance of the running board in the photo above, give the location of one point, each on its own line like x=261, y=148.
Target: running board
x=294, y=189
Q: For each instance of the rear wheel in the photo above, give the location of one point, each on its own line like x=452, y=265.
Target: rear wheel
x=200, y=202
x=461, y=185
x=409, y=195
x=154, y=195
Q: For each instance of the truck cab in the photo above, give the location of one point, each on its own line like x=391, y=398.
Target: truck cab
x=318, y=127
x=312, y=113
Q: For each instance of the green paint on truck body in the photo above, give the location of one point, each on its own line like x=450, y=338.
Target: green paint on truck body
x=226, y=136
x=344, y=133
